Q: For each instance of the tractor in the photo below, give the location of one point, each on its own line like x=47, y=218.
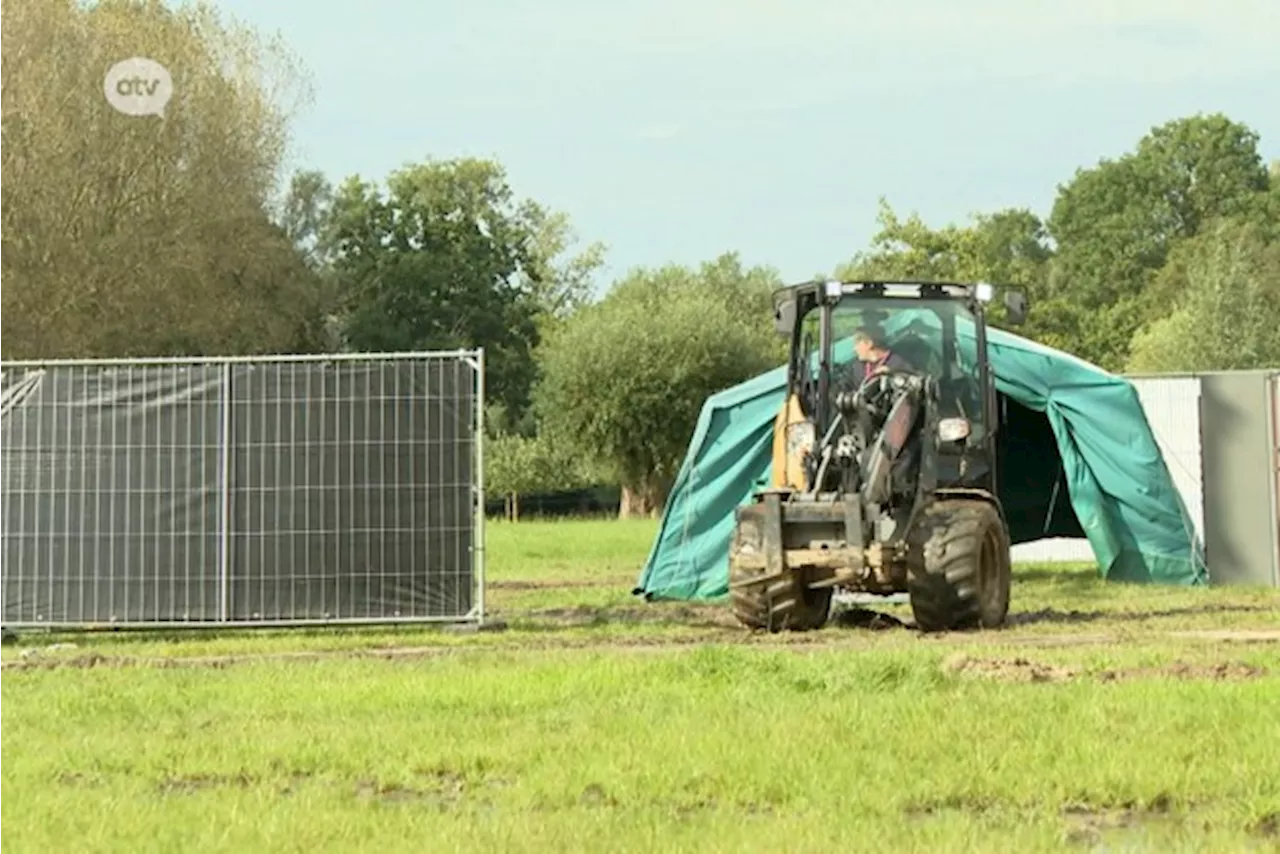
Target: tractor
x=884, y=475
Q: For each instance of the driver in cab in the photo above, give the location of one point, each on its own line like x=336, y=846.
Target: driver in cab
x=873, y=351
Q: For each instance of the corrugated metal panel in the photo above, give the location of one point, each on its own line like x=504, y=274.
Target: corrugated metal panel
x=1172, y=405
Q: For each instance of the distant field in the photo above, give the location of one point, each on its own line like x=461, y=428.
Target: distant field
x=1135, y=718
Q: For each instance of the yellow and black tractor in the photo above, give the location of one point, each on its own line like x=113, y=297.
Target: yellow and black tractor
x=884, y=460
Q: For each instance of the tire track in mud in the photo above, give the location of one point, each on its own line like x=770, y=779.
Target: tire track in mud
x=851, y=640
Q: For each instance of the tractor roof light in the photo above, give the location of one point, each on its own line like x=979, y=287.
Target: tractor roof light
x=984, y=292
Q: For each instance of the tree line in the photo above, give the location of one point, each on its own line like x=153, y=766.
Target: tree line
x=127, y=236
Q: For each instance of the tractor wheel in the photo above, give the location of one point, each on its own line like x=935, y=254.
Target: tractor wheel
x=960, y=570
x=782, y=603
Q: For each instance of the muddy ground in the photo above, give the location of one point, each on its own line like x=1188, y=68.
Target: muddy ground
x=573, y=627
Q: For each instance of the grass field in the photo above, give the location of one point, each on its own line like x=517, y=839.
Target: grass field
x=1105, y=717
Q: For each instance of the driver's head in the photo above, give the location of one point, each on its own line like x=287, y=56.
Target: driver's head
x=869, y=343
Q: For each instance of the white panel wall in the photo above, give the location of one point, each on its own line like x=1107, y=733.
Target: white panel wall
x=1053, y=551
x=1172, y=405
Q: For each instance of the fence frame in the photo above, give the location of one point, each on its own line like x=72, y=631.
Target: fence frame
x=472, y=358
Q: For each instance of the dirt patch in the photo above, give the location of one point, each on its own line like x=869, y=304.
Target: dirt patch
x=1007, y=669
x=544, y=630
x=863, y=618
x=1078, y=617
x=77, y=778
x=1091, y=825
x=555, y=584
x=443, y=796
x=1268, y=827
x=594, y=795
x=1053, y=615
x=577, y=616
x=1025, y=670
x=1231, y=635
x=382, y=654
x=1221, y=671
x=187, y=784
x=296, y=780
x=439, y=787
x=930, y=809
x=32, y=659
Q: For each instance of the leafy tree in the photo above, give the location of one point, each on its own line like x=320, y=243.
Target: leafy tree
x=625, y=379
x=131, y=235
x=305, y=213
x=1226, y=313
x=445, y=259
x=303, y=217
x=1115, y=224
x=516, y=465
x=1007, y=247
x=559, y=283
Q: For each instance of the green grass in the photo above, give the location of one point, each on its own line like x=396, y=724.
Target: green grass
x=599, y=723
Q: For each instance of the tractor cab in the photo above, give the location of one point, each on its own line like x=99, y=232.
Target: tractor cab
x=852, y=342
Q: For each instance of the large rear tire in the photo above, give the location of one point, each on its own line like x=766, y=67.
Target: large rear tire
x=961, y=569
x=781, y=604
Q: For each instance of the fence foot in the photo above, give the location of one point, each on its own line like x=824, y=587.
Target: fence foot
x=474, y=628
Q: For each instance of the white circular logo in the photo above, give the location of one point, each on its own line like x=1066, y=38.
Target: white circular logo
x=138, y=87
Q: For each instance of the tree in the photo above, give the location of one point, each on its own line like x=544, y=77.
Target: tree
x=1226, y=314
x=1115, y=224
x=1007, y=248
x=304, y=213
x=559, y=283
x=516, y=465
x=129, y=235
x=623, y=381
x=445, y=259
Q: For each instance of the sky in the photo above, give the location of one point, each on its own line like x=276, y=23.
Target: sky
x=676, y=131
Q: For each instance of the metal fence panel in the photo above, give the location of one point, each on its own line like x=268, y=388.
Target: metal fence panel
x=286, y=490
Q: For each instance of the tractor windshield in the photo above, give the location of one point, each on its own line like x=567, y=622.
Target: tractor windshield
x=937, y=337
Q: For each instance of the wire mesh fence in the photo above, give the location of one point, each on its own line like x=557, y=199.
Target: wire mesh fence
x=287, y=490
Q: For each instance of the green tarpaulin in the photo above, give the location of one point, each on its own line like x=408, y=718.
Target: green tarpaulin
x=1077, y=458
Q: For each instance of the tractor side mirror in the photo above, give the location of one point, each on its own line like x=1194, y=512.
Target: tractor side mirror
x=784, y=317
x=1015, y=304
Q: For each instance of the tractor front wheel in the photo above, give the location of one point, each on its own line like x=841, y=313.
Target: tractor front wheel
x=779, y=604
x=775, y=604
x=961, y=570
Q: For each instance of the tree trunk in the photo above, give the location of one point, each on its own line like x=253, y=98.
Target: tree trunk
x=643, y=500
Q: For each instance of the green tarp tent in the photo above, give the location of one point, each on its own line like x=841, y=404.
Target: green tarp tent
x=1077, y=458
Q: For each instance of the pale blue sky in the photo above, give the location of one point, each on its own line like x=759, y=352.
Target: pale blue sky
x=674, y=130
